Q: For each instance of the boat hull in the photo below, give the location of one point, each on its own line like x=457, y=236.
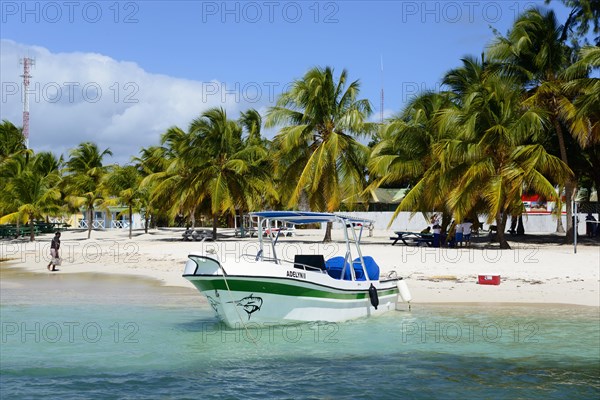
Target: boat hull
x=241, y=300
x=263, y=292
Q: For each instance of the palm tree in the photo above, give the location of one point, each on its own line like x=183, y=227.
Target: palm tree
x=317, y=151
x=12, y=140
x=34, y=190
x=171, y=181
x=227, y=169
x=11, y=168
x=534, y=51
x=211, y=167
x=404, y=153
x=152, y=160
x=491, y=152
x=124, y=184
x=586, y=92
x=251, y=122
x=13, y=158
x=414, y=136
x=496, y=157
x=85, y=173
x=583, y=13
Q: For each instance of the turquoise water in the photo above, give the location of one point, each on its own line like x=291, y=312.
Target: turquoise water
x=99, y=337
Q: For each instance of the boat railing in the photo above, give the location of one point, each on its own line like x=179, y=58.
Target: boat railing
x=296, y=264
x=256, y=257
x=260, y=257
x=305, y=267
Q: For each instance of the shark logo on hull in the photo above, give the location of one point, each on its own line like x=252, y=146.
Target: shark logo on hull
x=214, y=304
x=250, y=304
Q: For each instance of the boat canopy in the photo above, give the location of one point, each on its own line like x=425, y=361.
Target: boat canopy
x=307, y=217
x=350, y=225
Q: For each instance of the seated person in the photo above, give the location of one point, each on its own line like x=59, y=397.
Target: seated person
x=450, y=239
x=437, y=235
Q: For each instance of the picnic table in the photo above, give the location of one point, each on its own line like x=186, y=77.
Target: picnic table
x=409, y=238
x=247, y=232
x=285, y=231
x=11, y=230
x=51, y=227
x=197, y=235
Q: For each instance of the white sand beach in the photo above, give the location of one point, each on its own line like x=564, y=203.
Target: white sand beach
x=530, y=273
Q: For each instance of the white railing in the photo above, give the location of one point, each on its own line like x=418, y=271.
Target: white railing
x=116, y=224
x=97, y=224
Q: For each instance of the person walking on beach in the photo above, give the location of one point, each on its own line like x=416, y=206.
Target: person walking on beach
x=54, y=246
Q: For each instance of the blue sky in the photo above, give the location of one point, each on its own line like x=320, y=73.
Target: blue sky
x=120, y=73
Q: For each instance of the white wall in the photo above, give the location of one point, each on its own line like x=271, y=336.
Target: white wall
x=534, y=223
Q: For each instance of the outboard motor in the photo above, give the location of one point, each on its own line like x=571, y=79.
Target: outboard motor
x=373, y=296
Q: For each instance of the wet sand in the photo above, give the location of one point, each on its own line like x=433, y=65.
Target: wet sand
x=21, y=287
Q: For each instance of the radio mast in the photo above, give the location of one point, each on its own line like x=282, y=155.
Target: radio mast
x=27, y=63
x=381, y=106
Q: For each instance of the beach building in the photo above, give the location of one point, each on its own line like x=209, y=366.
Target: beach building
x=110, y=218
x=386, y=199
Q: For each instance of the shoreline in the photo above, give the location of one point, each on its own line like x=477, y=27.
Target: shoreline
x=531, y=273
x=152, y=284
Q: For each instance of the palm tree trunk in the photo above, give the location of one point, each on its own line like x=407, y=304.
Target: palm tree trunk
x=130, y=220
x=327, y=237
x=595, y=163
x=215, y=222
x=242, y=230
x=559, y=225
x=31, y=233
x=520, y=226
x=446, y=220
x=146, y=222
x=193, y=217
x=569, y=186
x=501, y=226
x=90, y=212
x=558, y=212
x=569, y=189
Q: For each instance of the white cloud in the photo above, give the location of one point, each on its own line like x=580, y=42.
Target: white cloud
x=77, y=97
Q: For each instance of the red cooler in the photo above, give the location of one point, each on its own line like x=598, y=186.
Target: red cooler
x=488, y=279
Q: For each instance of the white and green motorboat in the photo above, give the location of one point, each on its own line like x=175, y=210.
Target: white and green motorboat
x=266, y=289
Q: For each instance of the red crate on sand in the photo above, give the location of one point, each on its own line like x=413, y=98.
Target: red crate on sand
x=488, y=279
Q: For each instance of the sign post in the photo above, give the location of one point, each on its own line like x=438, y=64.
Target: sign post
x=575, y=221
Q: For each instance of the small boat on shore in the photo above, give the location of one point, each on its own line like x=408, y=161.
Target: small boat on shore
x=263, y=288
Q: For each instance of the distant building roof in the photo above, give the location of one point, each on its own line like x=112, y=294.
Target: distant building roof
x=388, y=196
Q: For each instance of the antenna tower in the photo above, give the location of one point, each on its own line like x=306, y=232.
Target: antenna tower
x=381, y=106
x=27, y=63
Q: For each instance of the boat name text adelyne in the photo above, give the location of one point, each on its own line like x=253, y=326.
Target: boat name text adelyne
x=295, y=274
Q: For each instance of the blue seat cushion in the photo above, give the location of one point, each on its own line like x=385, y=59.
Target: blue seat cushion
x=334, y=267
x=371, y=267
x=358, y=271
